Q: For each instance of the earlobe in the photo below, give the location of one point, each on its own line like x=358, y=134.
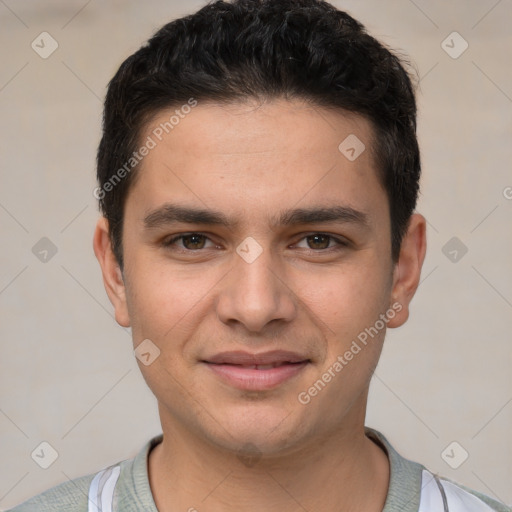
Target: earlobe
x=112, y=276
x=407, y=271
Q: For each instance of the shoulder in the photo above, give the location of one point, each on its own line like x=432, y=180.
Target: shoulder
x=460, y=497
x=83, y=494
x=413, y=488
x=70, y=496
x=125, y=482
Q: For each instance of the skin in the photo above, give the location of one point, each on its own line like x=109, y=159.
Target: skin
x=305, y=294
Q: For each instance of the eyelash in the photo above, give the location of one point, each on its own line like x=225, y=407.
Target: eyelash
x=341, y=243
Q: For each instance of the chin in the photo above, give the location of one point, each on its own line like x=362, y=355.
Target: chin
x=268, y=429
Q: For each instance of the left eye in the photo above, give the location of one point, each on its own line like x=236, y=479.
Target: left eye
x=191, y=241
x=321, y=241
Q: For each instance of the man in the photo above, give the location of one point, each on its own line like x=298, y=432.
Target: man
x=258, y=175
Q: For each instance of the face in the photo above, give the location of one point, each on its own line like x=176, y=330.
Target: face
x=257, y=262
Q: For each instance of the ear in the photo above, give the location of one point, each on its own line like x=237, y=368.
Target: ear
x=406, y=276
x=112, y=275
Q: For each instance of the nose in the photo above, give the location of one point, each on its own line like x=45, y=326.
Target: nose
x=256, y=294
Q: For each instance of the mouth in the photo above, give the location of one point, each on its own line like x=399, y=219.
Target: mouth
x=256, y=372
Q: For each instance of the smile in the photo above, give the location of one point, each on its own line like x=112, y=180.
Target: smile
x=261, y=375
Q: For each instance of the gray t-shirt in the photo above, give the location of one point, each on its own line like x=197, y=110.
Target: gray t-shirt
x=124, y=486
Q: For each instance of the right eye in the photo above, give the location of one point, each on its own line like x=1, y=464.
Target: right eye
x=190, y=242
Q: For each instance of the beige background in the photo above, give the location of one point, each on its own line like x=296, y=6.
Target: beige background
x=67, y=372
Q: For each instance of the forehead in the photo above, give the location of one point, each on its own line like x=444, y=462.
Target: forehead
x=258, y=157
x=254, y=128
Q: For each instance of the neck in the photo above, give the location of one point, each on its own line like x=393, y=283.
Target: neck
x=331, y=474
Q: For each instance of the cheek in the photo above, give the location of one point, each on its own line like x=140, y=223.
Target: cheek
x=167, y=309
x=346, y=299
x=162, y=300
x=348, y=305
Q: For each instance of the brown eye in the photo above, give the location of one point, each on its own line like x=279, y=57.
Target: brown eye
x=318, y=241
x=189, y=242
x=321, y=242
x=193, y=241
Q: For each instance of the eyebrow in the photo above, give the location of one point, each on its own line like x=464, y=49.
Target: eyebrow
x=172, y=213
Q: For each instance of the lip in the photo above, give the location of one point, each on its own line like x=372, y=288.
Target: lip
x=240, y=369
x=246, y=358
